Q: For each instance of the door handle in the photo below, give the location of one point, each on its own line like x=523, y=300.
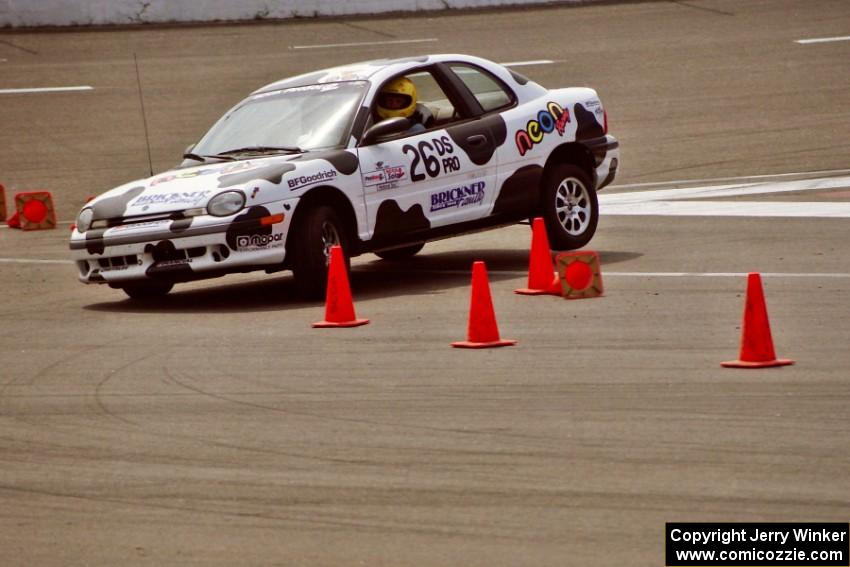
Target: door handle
x=477, y=140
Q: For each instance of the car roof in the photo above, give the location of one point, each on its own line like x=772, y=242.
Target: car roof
x=377, y=69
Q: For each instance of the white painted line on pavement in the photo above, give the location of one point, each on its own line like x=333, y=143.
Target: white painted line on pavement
x=824, y=172
x=32, y=261
x=68, y=222
x=822, y=40
x=527, y=63
x=629, y=274
x=730, y=209
x=732, y=190
x=365, y=43
x=47, y=90
x=679, y=201
x=722, y=275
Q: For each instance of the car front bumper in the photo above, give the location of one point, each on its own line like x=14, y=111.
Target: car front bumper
x=179, y=250
x=606, y=156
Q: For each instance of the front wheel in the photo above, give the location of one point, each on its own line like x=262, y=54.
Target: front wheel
x=320, y=230
x=570, y=207
x=147, y=290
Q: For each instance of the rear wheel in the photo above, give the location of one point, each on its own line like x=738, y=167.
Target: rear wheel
x=570, y=207
x=397, y=254
x=147, y=290
x=319, y=230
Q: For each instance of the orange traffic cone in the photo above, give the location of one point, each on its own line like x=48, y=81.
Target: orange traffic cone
x=339, y=307
x=542, y=279
x=2, y=203
x=482, y=330
x=756, y=342
x=14, y=221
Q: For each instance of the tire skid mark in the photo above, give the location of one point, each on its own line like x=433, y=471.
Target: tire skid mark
x=64, y=361
x=98, y=395
x=298, y=520
x=361, y=421
x=137, y=426
x=532, y=498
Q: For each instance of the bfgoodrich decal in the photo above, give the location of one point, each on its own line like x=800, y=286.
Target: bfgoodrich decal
x=456, y=197
x=305, y=180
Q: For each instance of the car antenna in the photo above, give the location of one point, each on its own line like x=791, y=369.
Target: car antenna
x=144, y=119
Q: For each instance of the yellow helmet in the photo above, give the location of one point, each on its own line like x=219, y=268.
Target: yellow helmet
x=397, y=98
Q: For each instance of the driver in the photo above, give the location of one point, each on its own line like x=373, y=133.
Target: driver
x=398, y=98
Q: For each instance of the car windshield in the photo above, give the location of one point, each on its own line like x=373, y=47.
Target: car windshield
x=300, y=118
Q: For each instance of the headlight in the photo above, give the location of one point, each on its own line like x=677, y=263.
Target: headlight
x=226, y=204
x=84, y=220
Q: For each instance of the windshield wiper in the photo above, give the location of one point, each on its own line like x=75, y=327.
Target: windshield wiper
x=196, y=157
x=262, y=150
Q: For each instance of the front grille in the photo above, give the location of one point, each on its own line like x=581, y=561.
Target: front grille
x=165, y=252
x=121, y=221
x=118, y=261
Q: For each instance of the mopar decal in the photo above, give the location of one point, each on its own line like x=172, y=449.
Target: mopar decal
x=456, y=197
x=552, y=118
x=435, y=156
x=305, y=180
x=252, y=242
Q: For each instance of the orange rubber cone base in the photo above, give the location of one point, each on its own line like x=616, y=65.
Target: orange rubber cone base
x=329, y=324
x=553, y=289
x=762, y=364
x=491, y=344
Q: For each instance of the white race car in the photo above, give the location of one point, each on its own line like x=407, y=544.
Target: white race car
x=312, y=161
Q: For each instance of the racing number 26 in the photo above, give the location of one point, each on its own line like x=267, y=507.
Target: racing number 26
x=424, y=153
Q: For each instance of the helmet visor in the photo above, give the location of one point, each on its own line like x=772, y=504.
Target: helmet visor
x=394, y=101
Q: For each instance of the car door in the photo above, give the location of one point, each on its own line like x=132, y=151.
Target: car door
x=489, y=97
x=422, y=183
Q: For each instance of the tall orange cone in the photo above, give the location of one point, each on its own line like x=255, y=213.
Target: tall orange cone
x=482, y=330
x=756, y=342
x=2, y=203
x=339, y=307
x=542, y=279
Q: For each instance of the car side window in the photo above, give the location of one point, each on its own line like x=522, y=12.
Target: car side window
x=431, y=107
x=487, y=89
x=433, y=98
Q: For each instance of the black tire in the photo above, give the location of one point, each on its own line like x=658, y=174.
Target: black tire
x=147, y=290
x=317, y=231
x=570, y=207
x=397, y=254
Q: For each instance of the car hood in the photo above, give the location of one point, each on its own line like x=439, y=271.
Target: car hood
x=188, y=188
x=263, y=180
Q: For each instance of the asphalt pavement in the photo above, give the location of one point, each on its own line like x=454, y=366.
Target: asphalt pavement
x=216, y=427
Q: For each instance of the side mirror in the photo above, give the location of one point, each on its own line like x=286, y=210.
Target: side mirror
x=385, y=129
